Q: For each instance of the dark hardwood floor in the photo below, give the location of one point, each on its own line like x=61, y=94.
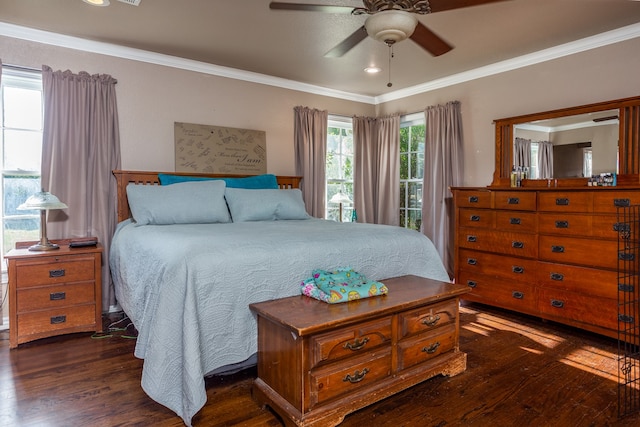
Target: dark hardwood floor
x=520, y=371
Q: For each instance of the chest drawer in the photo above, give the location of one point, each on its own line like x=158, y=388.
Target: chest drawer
x=605, y=226
x=602, y=283
x=426, y=347
x=477, y=218
x=348, y=376
x=497, y=265
x=579, y=307
x=518, y=244
x=350, y=341
x=473, y=199
x=55, y=296
x=573, y=250
x=565, y=201
x=53, y=270
x=42, y=322
x=427, y=318
x=516, y=221
x=610, y=201
x=515, y=200
x=519, y=296
x=565, y=224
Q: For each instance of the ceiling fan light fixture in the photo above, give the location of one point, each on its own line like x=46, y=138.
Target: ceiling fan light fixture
x=372, y=70
x=101, y=3
x=391, y=26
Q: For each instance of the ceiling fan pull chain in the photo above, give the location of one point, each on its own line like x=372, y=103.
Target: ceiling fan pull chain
x=390, y=56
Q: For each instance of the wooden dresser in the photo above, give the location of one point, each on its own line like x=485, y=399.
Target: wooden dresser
x=548, y=252
x=318, y=362
x=54, y=292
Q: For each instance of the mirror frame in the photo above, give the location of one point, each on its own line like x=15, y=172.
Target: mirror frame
x=628, y=143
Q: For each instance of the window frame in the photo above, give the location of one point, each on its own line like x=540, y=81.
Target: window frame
x=411, y=120
x=345, y=184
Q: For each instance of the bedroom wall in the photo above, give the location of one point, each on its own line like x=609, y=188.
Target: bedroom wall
x=609, y=72
x=152, y=97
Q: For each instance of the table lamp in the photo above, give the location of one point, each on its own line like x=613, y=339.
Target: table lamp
x=43, y=201
x=340, y=198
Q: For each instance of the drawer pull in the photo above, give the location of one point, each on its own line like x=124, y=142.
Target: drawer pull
x=621, y=203
x=357, y=344
x=514, y=221
x=517, y=294
x=513, y=200
x=626, y=256
x=562, y=202
x=473, y=199
x=557, y=303
x=472, y=239
x=517, y=269
x=475, y=218
x=557, y=249
x=625, y=287
x=56, y=273
x=57, y=296
x=472, y=261
x=621, y=227
x=56, y=320
x=431, y=320
x=517, y=245
x=624, y=318
x=432, y=348
x=562, y=224
x=471, y=284
x=357, y=376
x=557, y=277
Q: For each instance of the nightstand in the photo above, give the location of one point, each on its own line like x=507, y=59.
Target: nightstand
x=54, y=292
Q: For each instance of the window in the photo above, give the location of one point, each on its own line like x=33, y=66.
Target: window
x=412, y=134
x=21, y=120
x=339, y=168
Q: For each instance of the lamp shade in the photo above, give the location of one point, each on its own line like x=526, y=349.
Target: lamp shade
x=42, y=201
x=340, y=198
x=391, y=26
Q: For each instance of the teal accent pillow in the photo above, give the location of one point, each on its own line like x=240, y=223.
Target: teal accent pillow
x=268, y=181
x=182, y=203
x=265, y=205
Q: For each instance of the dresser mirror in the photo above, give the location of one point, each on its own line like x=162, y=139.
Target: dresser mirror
x=569, y=145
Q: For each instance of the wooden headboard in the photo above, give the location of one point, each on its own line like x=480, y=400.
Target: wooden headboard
x=124, y=178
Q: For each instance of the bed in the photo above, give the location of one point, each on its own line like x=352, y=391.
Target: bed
x=186, y=283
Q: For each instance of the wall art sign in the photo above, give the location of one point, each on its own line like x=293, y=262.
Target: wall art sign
x=216, y=149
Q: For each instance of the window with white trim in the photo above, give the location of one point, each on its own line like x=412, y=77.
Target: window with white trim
x=412, y=137
x=339, y=169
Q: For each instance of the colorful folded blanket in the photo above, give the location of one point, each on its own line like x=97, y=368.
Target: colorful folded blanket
x=340, y=285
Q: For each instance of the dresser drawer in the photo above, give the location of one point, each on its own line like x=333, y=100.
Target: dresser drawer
x=426, y=347
x=473, y=199
x=601, y=283
x=427, y=318
x=573, y=250
x=348, y=376
x=42, y=322
x=516, y=221
x=478, y=218
x=349, y=341
x=46, y=271
x=497, y=265
x=515, y=200
x=608, y=201
x=606, y=226
x=566, y=224
x=519, y=244
x=518, y=296
x=55, y=296
x=565, y=201
x=579, y=307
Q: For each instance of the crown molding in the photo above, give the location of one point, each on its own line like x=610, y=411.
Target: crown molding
x=55, y=39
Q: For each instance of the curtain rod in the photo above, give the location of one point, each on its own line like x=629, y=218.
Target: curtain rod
x=21, y=68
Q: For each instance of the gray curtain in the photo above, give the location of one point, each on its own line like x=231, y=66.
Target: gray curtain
x=522, y=153
x=545, y=159
x=310, y=140
x=376, y=186
x=80, y=149
x=443, y=168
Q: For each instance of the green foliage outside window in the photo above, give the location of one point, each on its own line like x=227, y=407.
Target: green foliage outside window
x=411, y=175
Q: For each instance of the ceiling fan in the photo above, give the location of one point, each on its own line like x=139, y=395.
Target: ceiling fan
x=389, y=21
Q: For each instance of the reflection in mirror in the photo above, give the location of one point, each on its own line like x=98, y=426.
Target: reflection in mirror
x=567, y=147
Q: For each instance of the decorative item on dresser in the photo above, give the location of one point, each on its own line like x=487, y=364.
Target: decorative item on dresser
x=318, y=362
x=54, y=292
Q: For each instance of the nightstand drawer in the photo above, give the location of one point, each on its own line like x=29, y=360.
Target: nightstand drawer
x=42, y=322
x=426, y=347
x=427, y=318
x=59, y=270
x=55, y=296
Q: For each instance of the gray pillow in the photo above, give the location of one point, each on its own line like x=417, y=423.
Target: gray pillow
x=265, y=205
x=197, y=202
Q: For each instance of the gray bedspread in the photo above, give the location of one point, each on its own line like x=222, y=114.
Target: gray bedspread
x=187, y=287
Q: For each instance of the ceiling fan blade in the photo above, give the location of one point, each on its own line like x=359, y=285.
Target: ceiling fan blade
x=440, y=5
x=430, y=41
x=348, y=43
x=310, y=7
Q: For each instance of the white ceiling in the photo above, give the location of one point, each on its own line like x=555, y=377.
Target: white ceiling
x=247, y=35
